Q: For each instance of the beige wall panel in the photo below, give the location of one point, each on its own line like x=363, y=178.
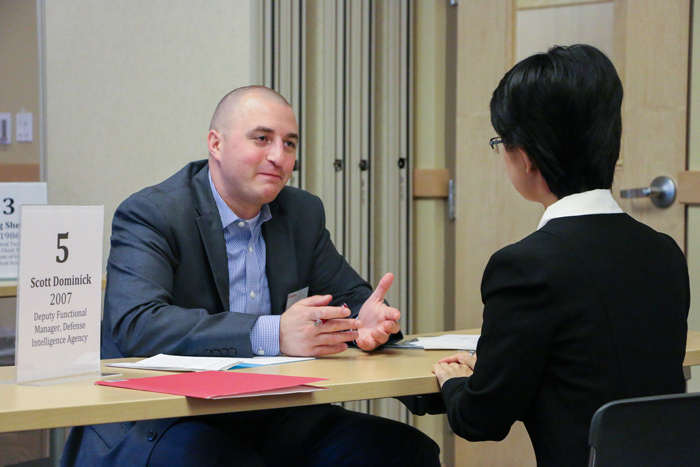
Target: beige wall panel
x=430, y=215
x=490, y=213
x=431, y=183
x=19, y=172
x=19, y=77
x=130, y=89
x=541, y=28
x=651, y=57
x=526, y=4
x=515, y=450
x=689, y=187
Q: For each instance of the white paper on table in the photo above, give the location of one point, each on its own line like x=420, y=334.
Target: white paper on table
x=447, y=342
x=263, y=361
x=166, y=362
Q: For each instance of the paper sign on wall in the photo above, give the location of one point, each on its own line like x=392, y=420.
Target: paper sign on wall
x=12, y=196
x=59, y=292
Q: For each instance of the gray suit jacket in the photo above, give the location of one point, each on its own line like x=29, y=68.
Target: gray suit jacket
x=167, y=289
x=167, y=275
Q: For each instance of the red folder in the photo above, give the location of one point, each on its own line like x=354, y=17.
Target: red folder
x=219, y=384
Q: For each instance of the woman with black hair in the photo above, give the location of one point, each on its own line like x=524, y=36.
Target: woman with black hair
x=593, y=306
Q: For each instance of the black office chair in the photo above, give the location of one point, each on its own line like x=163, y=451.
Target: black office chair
x=647, y=431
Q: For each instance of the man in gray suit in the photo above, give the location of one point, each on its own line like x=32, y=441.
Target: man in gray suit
x=203, y=264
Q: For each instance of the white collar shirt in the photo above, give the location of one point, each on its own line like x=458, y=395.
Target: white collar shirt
x=582, y=204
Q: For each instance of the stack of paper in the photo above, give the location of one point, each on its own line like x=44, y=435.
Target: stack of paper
x=264, y=361
x=166, y=362
x=444, y=342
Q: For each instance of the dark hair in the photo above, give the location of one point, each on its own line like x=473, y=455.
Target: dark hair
x=563, y=109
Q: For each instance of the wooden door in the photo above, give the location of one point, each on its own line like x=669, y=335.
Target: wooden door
x=650, y=51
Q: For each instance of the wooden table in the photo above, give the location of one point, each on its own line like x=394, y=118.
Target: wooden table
x=8, y=288
x=352, y=375
x=692, y=349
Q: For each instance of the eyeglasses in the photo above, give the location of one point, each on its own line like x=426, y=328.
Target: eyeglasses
x=496, y=144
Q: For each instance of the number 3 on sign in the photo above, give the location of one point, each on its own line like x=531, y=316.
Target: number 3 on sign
x=62, y=236
x=9, y=207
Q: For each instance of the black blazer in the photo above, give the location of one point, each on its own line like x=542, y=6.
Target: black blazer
x=586, y=310
x=167, y=290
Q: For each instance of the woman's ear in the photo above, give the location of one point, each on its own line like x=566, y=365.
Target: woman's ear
x=542, y=193
x=524, y=161
x=530, y=166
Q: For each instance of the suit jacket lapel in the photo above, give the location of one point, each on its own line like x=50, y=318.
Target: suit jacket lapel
x=281, y=263
x=209, y=224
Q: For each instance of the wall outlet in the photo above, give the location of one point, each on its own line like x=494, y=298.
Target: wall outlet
x=5, y=128
x=23, y=122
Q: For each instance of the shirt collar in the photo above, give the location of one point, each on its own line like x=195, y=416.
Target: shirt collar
x=228, y=216
x=582, y=204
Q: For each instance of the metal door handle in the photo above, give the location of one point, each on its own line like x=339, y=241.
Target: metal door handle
x=662, y=192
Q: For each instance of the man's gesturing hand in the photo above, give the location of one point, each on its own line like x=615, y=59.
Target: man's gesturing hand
x=301, y=335
x=379, y=321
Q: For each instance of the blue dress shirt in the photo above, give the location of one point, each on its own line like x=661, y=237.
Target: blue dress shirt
x=249, y=291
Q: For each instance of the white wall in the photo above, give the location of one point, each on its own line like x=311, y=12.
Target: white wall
x=130, y=88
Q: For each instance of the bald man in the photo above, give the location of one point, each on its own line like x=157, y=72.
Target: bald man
x=202, y=264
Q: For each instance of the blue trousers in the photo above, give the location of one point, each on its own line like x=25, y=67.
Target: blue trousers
x=321, y=435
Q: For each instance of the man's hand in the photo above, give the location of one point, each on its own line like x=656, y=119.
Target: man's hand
x=454, y=366
x=379, y=321
x=311, y=328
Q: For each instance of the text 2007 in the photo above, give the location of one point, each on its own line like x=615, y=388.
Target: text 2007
x=61, y=298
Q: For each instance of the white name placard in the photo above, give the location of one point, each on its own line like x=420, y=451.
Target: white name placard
x=59, y=293
x=12, y=196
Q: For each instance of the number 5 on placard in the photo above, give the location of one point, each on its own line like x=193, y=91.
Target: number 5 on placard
x=62, y=236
